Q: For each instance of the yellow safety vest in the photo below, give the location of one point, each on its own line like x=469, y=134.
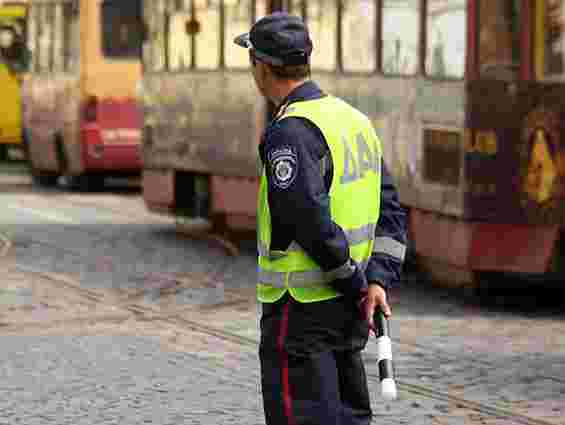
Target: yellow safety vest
x=354, y=202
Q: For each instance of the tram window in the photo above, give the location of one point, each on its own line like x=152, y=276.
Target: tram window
x=295, y=7
x=237, y=18
x=194, y=36
x=58, y=54
x=400, y=36
x=321, y=18
x=32, y=37
x=207, y=45
x=154, y=50
x=550, y=39
x=71, y=38
x=122, y=28
x=45, y=37
x=359, y=32
x=179, y=44
x=446, y=29
x=499, y=39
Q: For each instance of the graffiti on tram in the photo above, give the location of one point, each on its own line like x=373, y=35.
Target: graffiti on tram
x=542, y=160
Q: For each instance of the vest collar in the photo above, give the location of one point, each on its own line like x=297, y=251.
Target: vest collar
x=309, y=90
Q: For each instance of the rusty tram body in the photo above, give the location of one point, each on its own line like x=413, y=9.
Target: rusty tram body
x=466, y=95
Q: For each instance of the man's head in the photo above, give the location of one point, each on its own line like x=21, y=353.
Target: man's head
x=279, y=50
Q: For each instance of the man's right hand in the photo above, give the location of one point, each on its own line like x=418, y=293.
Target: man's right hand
x=375, y=298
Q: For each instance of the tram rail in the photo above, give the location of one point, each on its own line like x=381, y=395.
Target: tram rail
x=129, y=305
x=132, y=215
x=175, y=319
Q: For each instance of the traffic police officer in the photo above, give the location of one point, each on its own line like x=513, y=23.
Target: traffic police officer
x=331, y=236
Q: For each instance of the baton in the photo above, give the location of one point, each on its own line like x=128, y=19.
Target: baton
x=384, y=356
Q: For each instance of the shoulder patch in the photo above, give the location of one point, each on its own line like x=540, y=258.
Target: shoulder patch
x=283, y=162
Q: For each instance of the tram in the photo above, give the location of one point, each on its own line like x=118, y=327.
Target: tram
x=81, y=118
x=13, y=62
x=466, y=95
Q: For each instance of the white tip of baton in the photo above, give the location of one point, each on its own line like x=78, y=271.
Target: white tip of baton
x=388, y=389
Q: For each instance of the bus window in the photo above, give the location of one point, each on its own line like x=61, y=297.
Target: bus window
x=549, y=39
x=122, y=28
x=154, y=50
x=359, y=32
x=238, y=19
x=207, y=45
x=499, y=39
x=446, y=30
x=400, y=36
x=321, y=18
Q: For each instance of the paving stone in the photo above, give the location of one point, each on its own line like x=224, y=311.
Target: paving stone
x=512, y=360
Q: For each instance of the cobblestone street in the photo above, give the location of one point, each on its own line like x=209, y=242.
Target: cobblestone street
x=110, y=317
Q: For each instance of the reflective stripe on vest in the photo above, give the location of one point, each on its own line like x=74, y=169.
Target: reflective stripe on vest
x=301, y=279
x=382, y=244
x=389, y=246
x=356, y=236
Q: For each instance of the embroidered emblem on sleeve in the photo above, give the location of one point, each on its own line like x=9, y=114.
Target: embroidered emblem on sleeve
x=284, y=166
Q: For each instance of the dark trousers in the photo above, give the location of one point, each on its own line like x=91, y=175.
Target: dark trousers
x=312, y=372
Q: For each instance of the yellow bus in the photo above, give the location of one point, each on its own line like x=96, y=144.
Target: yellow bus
x=12, y=63
x=81, y=119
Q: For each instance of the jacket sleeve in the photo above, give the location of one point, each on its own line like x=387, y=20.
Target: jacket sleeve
x=300, y=205
x=389, y=249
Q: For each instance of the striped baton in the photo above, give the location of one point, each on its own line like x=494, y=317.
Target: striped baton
x=384, y=355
